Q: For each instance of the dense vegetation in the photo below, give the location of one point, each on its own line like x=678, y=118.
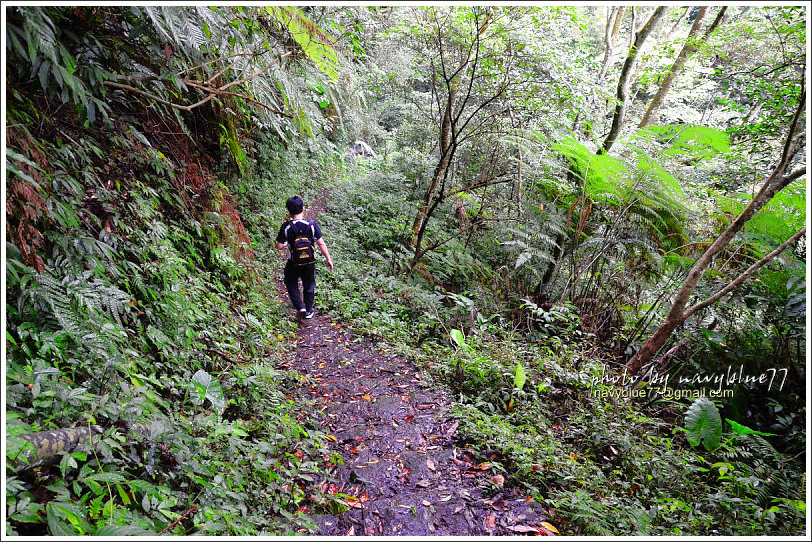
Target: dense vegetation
x=518, y=231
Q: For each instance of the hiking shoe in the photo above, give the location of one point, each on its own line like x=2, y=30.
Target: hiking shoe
x=309, y=314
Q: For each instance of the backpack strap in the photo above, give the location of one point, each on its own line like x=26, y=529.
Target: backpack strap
x=292, y=223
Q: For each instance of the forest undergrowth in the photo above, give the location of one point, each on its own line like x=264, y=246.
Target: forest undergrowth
x=602, y=461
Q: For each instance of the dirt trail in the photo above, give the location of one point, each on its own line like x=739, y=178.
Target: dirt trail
x=402, y=466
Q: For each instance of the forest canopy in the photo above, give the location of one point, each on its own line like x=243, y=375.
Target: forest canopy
x=584, y=224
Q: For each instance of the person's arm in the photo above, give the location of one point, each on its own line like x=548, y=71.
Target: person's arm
x=323, y=248
x=282, y=242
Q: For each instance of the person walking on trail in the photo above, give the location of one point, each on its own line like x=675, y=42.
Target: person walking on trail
x=298, y=235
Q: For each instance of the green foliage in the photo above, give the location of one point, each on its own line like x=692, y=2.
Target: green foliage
x=740, y=429
x=141, y=263
x=703, y=423
x=314, y=42
x=690, y=141
x=776, y=222
x=205, y=387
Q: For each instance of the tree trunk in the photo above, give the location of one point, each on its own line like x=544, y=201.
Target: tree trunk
x=446, y=139
x=680, y=311
x=657, y=45
x=610, y=37
x=448, y=132
x=623, y=83
x=691, y=45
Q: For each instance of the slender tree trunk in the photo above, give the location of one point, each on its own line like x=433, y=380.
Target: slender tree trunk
x=680, y=311
x=677, y=24
x=633, y=26
x=448, y=131
x=615, y=16
x=515, y=125
x=623, y=83
x=657, y=45
x=691, y=45
x=446, y=141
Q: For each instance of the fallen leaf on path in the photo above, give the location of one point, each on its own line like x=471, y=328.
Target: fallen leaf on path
x=423, y=483
x=426, y=503
x=351, y=532
x=499, y=480
x=549, y=527
x=430, y=465
x=331, y=437
x=490, y=522
x=446, y=498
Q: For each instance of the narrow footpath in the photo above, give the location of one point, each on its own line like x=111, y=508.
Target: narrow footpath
x=404, y=470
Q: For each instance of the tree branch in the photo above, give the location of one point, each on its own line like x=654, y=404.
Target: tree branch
x=741, y=278
x=201, y=86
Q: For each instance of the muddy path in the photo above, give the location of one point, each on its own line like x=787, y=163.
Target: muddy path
x=404, y=469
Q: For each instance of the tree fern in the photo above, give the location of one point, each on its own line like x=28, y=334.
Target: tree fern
x=314, y=41
x=643, y=185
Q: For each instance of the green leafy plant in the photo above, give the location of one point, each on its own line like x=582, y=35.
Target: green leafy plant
x=703, y=423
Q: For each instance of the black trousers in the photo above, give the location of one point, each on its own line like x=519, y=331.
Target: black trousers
x=307, y=273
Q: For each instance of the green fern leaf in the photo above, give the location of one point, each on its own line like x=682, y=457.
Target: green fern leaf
x=315, y=43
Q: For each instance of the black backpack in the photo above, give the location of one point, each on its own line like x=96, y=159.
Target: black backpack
x=301, y=249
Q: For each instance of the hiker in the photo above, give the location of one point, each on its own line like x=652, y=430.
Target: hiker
x=298, y=236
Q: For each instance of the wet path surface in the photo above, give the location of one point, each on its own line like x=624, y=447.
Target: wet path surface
x=403, y=470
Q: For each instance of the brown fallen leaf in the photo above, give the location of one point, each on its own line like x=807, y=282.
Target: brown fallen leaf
x=549, y=527
x=351, y=532
x=423, y=483
x=490, y=522
x=430, y=465
x=426, y=503
x=499, y=480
